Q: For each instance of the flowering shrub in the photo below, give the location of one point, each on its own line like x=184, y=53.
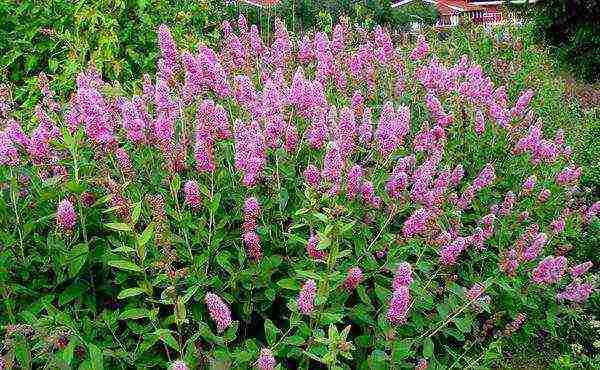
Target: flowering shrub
x=335, y=200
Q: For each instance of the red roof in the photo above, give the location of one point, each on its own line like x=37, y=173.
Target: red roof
x=451, y=7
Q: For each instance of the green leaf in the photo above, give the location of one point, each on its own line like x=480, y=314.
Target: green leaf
x=208, y=335
x=96, y=361
x=231, y=332
x=76, y=258
x=147, y=234
x=428, y=348
x=130, y=292
x=175, y=184
x=134, y=313
x=118, y=226
x=289, y=283
x=295, y=340
x=270, y=332
x=401, y=350
x=214, y=204
x=223, y=261
x=382, y=293
x=166, y=336
x=22, y=352
x=149, y=341
x=190, y=293
x=125, y=265
x=72, y=292
x=137, y=211
x=463, y=323
x=67, y=353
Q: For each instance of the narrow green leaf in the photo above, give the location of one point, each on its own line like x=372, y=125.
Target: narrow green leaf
x=137, y=211
x=428, y=348
x=147, y=234
x=130, y=292
x=96, y=361
x=134, y=313
x=270, y=332
x=125, y=265
x=289, y=283
x=166, y=336
x=118, y=226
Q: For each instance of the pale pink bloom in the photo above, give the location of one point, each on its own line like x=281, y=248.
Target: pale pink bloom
x=550, y=270
x=576, y=292
x=398, y=306
x=313, y=252
x=306, y=298
x=66, y=218
x=355, y=276
x=581, y=269
x=475, y=292
x=403, y=276
x=192, y=194
x=266, y=360
x=312, y=175
x=218, y=311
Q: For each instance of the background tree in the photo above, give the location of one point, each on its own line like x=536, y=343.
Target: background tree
x=574, y=27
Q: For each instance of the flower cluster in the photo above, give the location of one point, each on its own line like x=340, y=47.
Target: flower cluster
x=250, y=237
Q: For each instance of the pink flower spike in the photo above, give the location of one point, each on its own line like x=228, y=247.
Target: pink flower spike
x=66, y=217
x=192, y=194
x=355, y=276
x=398, y=307
x=306, y=298
x=266, y=361
x=577, y=271
x=218, y=311
x=403, y=276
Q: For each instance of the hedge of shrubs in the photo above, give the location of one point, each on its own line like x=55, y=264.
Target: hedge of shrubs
x=327, y=200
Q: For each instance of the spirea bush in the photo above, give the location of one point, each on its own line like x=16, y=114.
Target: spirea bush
x=329, y=200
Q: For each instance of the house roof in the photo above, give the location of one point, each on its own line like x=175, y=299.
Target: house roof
x=452, y=7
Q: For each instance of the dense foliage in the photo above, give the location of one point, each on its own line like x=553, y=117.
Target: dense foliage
x=573, y=27
x=328, y=200
x=61, y=37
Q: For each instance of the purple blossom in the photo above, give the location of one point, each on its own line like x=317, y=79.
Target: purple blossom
x=544, y=195
x=123, y=160
x=365, y=129
x=178, y=365
x=167, y=46
x=550, y=270
x=252, y=243
x=417, y=222
x=398, y=306
x=577, y=271
x=354, y=277
x=8, y=153
x=403, y=276
x=306, y=298
x=393, y=126
x=354, y=181
x=312, y=175
x=266, y=360
x=457, y=174
x=313, y=252
x=66, y=218
x=250, y=151
x=219, y=312
x=449, y=254
x=576, y=292
x=475, y=292
x=192, y=194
